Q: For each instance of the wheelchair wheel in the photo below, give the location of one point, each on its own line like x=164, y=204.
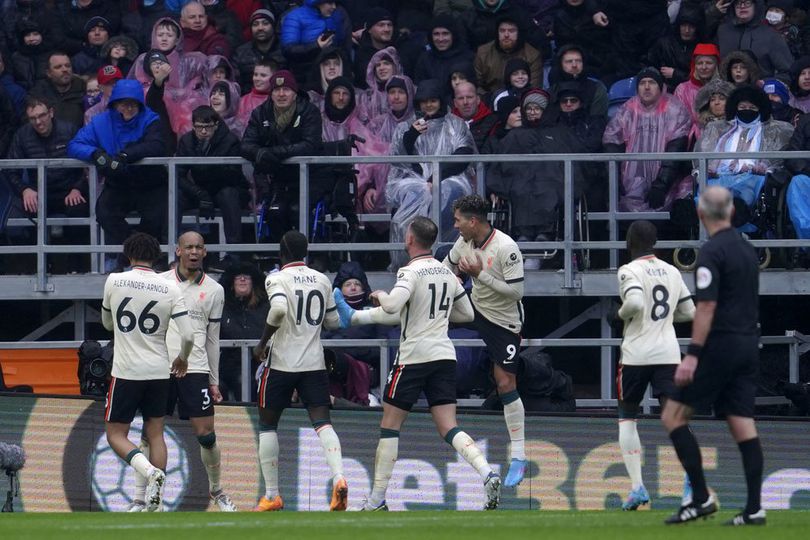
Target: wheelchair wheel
x=583, y=255
x=685, y=258
x=764, y=257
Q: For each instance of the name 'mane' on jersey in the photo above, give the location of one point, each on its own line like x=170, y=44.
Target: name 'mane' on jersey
x=424, y=320
x=307, y=298
x=649, y=337
x=141, y=303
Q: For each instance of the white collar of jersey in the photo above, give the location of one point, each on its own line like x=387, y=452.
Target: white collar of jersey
x=180, y=277
x=294, y=264
x=144, y=268
x=420, y=257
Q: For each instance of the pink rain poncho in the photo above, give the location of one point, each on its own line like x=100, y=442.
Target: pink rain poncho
x=374, y=100
x=688, y=90
x=248, y=103
x=647, y=129
x=229, y=115
x=185, y=89
x=384, y=125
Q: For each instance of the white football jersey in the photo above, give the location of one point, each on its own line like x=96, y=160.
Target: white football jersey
x=204, y=299
x=306, y=295
x=424, y=320
x=141, y=303
x=649, y=337
x=501, y=259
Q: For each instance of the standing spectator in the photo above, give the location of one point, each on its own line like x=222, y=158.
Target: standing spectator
x=569, y=65
x=106, y=76
x=573, y=25
x=263, y=45
x=381, y=68
x=243, y=317
x=491, y=58
x=198, y=34
x=120, y=51
x=89, y=58
x=114, y=141
x=80, y=13
x=63, y=89
x=16, y=93
x=468, y=106
x=650, y=121
x=283, y=127
x=307, y=30
x=740, y=68
x=378, y=35
x=208, y=187
x=446, y=49
x=262, y=81
x=224, y=99
x=800, y=84
x=705, y=60
x=672, y=53
x=225, y=21
x=742, y=29
x=332, y=62
x=30, y=59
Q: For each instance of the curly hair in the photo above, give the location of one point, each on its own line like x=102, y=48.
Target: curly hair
x=472, y=206
x=142, y=247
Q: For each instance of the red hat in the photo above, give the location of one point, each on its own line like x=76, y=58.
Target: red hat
x=109, y=74
x=283, y=78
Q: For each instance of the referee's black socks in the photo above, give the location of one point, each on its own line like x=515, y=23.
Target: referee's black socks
x=751, y=451
x=686, y=446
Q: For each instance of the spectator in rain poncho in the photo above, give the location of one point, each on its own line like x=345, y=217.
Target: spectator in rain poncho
x=705, y=61
x=399, y=93
x=185, y=88
x=749, y=127
x=218, y=69
x=331, y=64
x=409, y=184
x=383, y=65
x=224, y=99
x=650, y=121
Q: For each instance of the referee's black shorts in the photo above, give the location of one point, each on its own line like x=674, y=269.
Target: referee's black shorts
x=726, y=376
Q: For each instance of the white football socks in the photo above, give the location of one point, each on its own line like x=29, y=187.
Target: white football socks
x=140, y=480
x=268, y=458
x=630, y=445
x=211, y=458
x=515, y=416
x=384, y=461
x=331, y=448
x=466, y=447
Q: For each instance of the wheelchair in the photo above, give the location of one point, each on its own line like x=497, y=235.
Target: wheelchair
x=500, y=217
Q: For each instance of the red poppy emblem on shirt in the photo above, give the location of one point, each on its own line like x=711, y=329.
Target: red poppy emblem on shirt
x=489, y=262
x=202, y=296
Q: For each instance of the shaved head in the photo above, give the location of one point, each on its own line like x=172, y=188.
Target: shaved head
x=190, y=236
x=716, y=204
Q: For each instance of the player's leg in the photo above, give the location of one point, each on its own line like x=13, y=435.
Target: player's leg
x=515, y=416
x=313, y=387
x=158, y=457
x=386, y=456
x=275, y=391
x=631, y=382
x=138, y=503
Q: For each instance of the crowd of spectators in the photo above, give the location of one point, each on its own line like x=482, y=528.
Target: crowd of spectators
x=111, y=82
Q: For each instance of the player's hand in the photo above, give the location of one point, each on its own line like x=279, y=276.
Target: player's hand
x=685, y=373
x=471, y=265
x=179, y=367
x=259, y=353
x=216, y=395
x=375, y=298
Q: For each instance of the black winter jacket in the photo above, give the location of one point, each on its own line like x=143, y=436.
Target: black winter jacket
x=211, y=178
x=68, y=106
x=245, y=58
x=27, y=144
x=8, y=121
x=75, y=17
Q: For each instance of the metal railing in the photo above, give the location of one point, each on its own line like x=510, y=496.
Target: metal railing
x=796, y=343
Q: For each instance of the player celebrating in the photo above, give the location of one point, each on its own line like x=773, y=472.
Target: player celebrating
x=494, y=262
x=137, y=306
x=721, y=365
x=300, y=303
x=653, y=295
x=425, y=298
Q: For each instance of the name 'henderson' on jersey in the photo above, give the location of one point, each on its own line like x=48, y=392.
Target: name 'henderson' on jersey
x=501, y=258
x=141, y=303
x=649, y=337
x=306, y=296
x=425, y=318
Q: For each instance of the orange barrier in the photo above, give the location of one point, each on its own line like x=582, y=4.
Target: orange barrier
x=48, y=371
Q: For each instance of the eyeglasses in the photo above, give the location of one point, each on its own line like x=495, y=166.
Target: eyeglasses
x=569, y=100
x=242, y=277
x=205, y=127
x=744, y=3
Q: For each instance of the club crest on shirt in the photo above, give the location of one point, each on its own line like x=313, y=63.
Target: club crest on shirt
x=703, y=277
x=489, y=262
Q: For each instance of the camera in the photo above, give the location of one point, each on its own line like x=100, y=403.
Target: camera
x=95, y=368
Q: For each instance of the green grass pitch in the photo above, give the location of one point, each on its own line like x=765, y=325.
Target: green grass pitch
x=423, y=525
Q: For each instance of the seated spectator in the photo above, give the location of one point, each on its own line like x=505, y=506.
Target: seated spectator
x=742, y=29
x=224, y=99
x=672, y=53
x=121, y=52
x=309, y=29
x=198, y=34
x=92, y=92
x=446, y=49
x=569, y=65
x=507, y=110
x=705, y=59
x=30, y=59
x=283, y=127
x=650, y=121
x=208, y=187
x=114, y=141
x=740, y=68
x=710, y=103
x=106, y=77
x=468, y=106
x=491, y=58
x=573, y=25
x=62, y=89
x=139, y=22
x=382, y=66
x=800, y=84
x=409, y=187
x=15, y=92
x=225, y=21
x=532, y=107
x=219, y=69
x=481, y=23
x=331, y=63
x=262, y=82
x=18, y=14
x=399, y=93
x=516, y=77
x=567, y=109
x=185, y=89
x=243, y=317
x=80, y=13
x=263, y=45
x=378, y=35
x=89, y=58
x=749, y=127
x=779, y=95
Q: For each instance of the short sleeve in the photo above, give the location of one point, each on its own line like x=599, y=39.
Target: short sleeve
x=178, y=305
x=627, y=282
x=454, y=255
x=707, y=275
x=406, y=279
x=511, y=263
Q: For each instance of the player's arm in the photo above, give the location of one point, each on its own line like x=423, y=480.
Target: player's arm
x=685, y=311
x=331, y=320
x=375, y=316
x=462, y=311
x=106, y=313
x=275, y=316
x=452, y=258
x=186, y=332
x=212, y=337
x=393, y=302
x=511, y=286
x=631, y=294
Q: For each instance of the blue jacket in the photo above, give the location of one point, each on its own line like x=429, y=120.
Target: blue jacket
x=303, y=25
x=140, y=137
x=15, y=92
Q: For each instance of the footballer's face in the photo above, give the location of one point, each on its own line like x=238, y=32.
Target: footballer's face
x=190, y=251
x=464, y=225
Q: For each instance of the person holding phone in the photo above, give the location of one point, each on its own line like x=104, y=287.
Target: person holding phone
x=308, y=29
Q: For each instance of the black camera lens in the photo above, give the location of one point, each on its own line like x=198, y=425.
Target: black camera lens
x=98, y=368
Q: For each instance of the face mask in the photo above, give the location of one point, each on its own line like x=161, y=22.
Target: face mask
x=747, y=116
x=356, y=300
x=774, y=17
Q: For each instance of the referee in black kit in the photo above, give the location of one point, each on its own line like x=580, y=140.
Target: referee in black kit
x=721, y=365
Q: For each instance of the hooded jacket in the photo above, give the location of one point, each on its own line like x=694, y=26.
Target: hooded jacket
x=687, y=90
x=231, y=115
x=374, y=100
x=735, y=57
x=19, y=12
x=799, y=98
x=480, y=23
x=29, y=62
x=125, y=63
x=436, y=64
x=593, y=93
x=138, y=138
x=672, y=51
x=316, y=81
x=770, y=48
x=384, y=125
x=573, y=26
x=491, y=60
x=77, y=17
x=702, y=99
